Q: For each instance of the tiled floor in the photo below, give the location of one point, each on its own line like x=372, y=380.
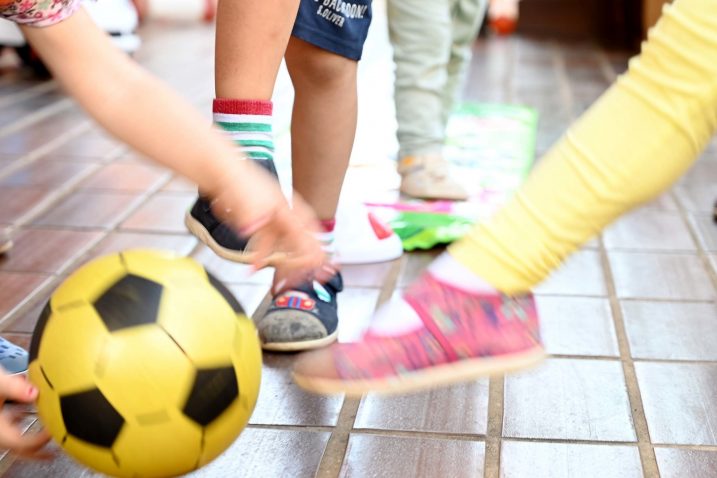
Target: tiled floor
x=630, y=321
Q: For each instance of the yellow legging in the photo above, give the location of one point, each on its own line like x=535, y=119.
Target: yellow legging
x=633, y=143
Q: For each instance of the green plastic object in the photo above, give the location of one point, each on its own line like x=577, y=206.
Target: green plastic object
x=425, y=230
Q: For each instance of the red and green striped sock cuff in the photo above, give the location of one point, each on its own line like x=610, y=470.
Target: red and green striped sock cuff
x=248, y=124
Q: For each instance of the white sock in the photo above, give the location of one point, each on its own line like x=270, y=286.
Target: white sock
x=448, y=270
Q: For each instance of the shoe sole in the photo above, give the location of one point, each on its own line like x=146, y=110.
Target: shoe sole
x=442, y=375
x=300, y=346
x=449, y=197
x=242, y=257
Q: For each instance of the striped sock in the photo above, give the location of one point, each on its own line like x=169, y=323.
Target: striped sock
x=248, y=124
x=326, y=236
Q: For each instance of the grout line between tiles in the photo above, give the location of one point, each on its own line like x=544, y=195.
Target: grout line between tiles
x=494, y=432
x=46, y=148
x=335, y=451
x=292, y=428
x=37, y=116
x=28, y=93
x=701, y=251
x=639, y=419
x=420, y=434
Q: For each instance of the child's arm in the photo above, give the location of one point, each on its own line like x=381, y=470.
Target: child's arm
x=141, y=111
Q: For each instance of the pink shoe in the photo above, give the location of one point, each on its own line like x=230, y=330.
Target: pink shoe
x=466, y=336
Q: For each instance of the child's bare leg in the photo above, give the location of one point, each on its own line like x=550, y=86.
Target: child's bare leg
x=323, y=123
x=322, y=58
x=251, y=41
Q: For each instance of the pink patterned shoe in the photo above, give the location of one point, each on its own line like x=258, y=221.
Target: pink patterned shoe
x=465, y=336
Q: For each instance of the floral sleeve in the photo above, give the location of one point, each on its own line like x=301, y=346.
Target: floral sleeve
x=39, y=13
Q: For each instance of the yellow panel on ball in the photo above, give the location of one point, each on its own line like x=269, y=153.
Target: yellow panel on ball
x=142, y=370
x=89, y=282
x=209, y=344
x=166, y=448
x=162, y=267
x=96, y=457
x=70, y=346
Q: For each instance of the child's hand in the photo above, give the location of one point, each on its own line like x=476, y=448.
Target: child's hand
x=17, y=388
x=252, y=202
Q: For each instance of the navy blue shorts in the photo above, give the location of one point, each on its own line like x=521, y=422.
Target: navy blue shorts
x=334, y=25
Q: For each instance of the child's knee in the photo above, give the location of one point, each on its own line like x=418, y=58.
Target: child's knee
x=321, y=69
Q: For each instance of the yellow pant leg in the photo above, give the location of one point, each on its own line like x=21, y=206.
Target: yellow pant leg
x=633, y=143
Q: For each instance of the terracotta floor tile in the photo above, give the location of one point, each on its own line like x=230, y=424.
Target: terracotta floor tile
x=569, y=400
x=13, y=112
x=180, y=185
x=47, y=250
x=93, y=210
x=17, y=202
x=680, y=463
x=162, y=213
x=17, y=287
x=269, y=453
x=650, y=230
x=671, y=276
x=385, y=456
x=671, y=330
x=92, y=144
x=283, y=403
x=577, y=326
x=47, y=129
x=581, y=274
x=19, y=339
x=120, y=241
x=465, y=410
x=127, y=177
x=41, y=174
x=565, y=460
x=25, y=321
x=679, y=402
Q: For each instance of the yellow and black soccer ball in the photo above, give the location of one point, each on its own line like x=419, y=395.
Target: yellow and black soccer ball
x=146, y=364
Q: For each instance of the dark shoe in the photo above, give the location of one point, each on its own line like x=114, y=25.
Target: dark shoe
x=303, y=318
x=219, y=237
